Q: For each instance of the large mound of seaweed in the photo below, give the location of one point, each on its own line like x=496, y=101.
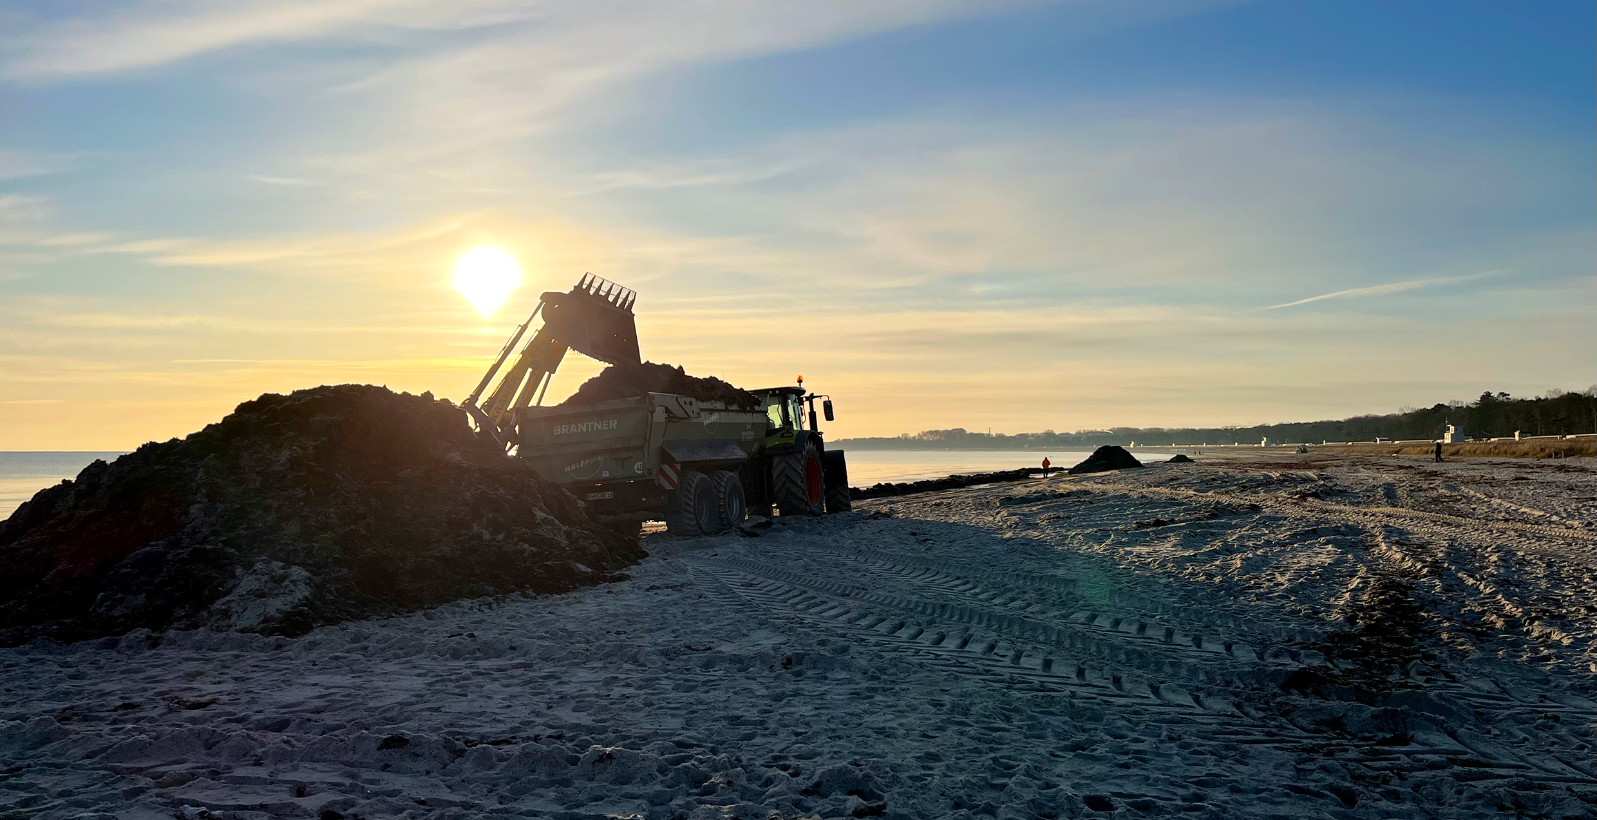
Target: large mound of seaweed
x=293, y=511
x=625, y=381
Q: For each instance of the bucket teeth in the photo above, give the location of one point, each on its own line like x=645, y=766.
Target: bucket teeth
x=607, y=290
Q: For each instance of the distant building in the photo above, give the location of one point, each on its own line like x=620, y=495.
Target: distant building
x=1455, y=434
x=1264, y=442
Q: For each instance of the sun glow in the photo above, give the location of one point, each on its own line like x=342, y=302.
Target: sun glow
x=486, y=276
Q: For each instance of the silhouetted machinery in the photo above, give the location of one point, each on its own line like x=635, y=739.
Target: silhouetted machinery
x=595, y=318
x=700, y=465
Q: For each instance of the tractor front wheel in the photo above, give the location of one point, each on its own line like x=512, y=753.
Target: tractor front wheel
x=838, y=497
x=798, y=480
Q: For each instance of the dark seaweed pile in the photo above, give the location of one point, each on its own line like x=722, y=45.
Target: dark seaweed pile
x=931, y=485
x=293, y=511
x=625, y=381
x=1106, y=458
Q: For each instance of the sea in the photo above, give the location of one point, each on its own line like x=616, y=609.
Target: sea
x=867, y=467
x=24, y=473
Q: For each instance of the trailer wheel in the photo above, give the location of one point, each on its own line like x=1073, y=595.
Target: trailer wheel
x=694, y=509
x=837, y=492
x=798, y=481
x=733, y=503
x=754, y=476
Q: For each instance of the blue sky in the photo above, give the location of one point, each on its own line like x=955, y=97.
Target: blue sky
x=1019, y=215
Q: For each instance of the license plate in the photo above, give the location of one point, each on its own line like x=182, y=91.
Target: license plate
x=600, y=496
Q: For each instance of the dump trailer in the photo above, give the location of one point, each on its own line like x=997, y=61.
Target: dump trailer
x=703, y=467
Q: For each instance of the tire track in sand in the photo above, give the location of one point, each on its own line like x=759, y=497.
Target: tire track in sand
x=1001, y=639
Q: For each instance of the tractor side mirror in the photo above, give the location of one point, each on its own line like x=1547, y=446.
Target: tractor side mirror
x=826, y=407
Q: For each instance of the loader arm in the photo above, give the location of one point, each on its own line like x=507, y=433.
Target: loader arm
x=595, y=318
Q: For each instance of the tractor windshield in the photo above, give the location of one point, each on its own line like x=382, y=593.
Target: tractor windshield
x=784, y=412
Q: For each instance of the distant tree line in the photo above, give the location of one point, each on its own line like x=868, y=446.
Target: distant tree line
x=1557, y=413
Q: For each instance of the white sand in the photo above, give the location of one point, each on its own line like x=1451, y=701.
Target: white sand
x=998, y=651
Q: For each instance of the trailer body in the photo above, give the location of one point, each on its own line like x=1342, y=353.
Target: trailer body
x=624, y=458
x=702, y=467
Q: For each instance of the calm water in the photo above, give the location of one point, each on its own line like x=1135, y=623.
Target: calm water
x=23, y=474
x=866, y=467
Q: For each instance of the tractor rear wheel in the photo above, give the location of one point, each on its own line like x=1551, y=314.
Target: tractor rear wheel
x=733, y=504
x=694, y=509
x=837, y=492
x=798, y=482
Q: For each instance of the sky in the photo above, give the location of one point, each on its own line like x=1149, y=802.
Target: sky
x=1008, y=215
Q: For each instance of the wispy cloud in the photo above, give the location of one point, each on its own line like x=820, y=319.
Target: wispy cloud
x=1393, y=287
x=346, y=254
x=16, y=164
x=1110, y=197
x=154, y=34
x=158, y=33
x=292, y=181
x=721, y=172
x=21, y=207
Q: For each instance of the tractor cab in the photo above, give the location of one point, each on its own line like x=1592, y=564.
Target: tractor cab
x=799, y=476
x=783, y=408
x=787, y=418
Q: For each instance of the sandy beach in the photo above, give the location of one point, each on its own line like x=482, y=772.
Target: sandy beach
x=1253, y=635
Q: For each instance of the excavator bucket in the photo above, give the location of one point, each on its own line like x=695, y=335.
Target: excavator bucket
x=594, y=319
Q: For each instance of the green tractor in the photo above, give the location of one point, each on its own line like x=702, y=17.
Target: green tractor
x=701, y=466
x=793, y=471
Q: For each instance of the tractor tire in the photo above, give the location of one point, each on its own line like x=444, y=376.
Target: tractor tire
x=837, y=492
x=694, y=509
x=729, y=492
x=798, y=482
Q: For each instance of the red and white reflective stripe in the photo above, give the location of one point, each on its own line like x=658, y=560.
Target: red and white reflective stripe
x=670, y=474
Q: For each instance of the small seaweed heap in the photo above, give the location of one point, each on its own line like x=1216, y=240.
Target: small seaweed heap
x=1106, y=458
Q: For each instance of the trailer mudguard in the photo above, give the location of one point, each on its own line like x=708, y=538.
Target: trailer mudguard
x=701, y=453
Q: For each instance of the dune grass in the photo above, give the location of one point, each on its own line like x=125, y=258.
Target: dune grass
x=1540, y=448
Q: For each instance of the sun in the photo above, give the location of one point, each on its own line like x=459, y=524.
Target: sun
x=486, y=276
